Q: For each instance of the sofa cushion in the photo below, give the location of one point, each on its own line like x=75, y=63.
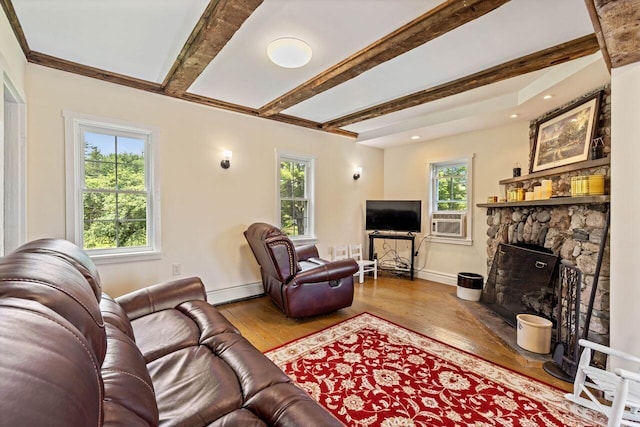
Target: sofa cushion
x=114, y=314
x=126, y=379
x=240, y=417
x=186, y=325
x=196, y=348
x=180, y=378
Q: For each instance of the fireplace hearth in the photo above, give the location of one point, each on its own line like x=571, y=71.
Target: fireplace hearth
x=522, y=279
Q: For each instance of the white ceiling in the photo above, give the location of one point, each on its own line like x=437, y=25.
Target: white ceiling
x=142, y=38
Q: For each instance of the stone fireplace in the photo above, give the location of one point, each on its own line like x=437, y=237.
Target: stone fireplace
x=574, y=234
x=571, y=228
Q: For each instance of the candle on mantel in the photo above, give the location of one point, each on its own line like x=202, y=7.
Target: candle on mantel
x=546, y=189
x=537, y=192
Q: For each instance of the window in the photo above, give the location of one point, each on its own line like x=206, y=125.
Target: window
x=451, y=205
x=111, y=203
x=450, y=185
x=295, y=177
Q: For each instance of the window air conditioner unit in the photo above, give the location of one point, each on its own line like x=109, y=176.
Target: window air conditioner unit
x=448, y=225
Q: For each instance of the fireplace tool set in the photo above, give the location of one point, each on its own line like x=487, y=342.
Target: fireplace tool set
x=566, y=353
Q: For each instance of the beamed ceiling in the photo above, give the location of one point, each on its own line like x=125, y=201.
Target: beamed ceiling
x=381, y=71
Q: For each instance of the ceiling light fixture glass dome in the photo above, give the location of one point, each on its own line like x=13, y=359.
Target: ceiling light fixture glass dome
x=289, y=52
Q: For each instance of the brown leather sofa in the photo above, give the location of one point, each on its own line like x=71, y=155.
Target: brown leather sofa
x=72, y=356
x=299, y=281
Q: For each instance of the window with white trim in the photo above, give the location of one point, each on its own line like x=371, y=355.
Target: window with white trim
x=451, y=200
x=111, y=199
x=295, y=196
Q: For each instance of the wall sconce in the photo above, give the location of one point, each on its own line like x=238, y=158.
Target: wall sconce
x=226, y=159
x=357, y=172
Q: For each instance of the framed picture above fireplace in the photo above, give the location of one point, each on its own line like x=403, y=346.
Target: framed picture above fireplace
x=565, y=137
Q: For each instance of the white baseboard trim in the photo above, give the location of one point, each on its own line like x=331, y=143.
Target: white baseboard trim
x=220, y=296
x=438, y=276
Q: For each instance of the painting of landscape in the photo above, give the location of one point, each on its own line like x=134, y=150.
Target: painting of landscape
x=565, y=138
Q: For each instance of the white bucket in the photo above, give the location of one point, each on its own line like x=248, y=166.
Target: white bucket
x=469, y=294
x=534, y=333
x=470, y=286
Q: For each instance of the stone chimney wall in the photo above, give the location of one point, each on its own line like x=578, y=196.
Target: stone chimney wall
x=573, y=232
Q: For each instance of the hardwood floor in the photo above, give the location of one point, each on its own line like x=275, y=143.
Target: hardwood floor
x=426, y=307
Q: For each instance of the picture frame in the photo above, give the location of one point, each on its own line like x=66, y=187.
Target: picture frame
x=566, y=136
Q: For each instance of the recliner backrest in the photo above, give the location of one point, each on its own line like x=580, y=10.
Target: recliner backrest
x=69, y=252
x=273, y=250
x=54, y=343
x=53, y=283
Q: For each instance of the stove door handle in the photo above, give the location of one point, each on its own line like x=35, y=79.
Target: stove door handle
x=540, y=264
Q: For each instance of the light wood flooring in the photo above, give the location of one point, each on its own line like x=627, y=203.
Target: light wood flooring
x=429, y=308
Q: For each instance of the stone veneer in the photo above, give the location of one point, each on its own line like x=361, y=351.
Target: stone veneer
x=573, y=232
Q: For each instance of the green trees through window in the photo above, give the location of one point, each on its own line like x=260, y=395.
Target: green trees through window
x=294, y=202
x=115, y=191
x=451, y=184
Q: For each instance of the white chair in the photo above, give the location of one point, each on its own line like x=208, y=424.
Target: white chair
x=365, y=265
x=340, y=252
x=621, y=387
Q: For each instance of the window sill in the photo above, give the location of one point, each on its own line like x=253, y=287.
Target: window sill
x=449, y=240
x=99, y=259
x=301, y=241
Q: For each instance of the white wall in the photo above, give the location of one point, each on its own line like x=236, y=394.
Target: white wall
x=12, y=60
x=406, y=177
x=625, y=208
x=205, y=209
x=12, y=138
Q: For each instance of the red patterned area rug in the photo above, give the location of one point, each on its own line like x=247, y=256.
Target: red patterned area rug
x=370, y=372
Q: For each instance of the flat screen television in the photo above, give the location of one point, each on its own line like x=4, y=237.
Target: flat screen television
x=393, y=215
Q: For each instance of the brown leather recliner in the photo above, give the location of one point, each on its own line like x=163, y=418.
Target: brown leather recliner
x=296, y=278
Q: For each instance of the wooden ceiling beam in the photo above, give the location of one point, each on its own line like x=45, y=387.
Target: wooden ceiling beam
x=96, y=73
x=282, y=118
x=617, y=26
x=536, y=61
x=447, y=16
x=16, y=26
x=107, y=76
x=219, y=22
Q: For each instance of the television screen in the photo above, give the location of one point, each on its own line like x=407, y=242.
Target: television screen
x=393, y=215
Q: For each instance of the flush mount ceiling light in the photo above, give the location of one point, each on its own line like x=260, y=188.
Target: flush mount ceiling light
x=288, y=52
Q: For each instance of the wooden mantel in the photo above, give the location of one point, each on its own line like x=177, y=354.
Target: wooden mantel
x=554, y=201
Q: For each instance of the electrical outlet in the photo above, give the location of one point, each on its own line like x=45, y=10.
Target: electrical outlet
x=176, y=269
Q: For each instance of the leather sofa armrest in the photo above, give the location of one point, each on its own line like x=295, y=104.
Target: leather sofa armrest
x=307, y=251
x=334, y=270
x=161, y=296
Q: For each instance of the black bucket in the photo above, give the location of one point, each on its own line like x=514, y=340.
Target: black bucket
x=470, y=280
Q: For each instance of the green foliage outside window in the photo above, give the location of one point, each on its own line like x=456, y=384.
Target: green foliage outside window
x=452, y=188
x=293, y=197
x=114, y=195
